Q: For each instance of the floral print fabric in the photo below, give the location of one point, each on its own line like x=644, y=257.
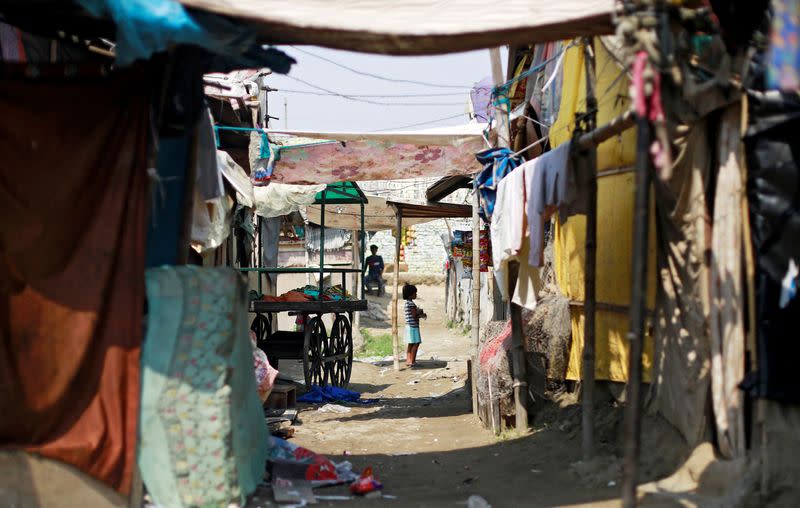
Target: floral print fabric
x=784, y=54
x=373, y=160
x=265, y=373
x=203, y=438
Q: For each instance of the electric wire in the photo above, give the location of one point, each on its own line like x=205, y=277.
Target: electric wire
x=377, y=76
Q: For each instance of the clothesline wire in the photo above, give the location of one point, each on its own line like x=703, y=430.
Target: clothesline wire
x=369, y=101
x=375, y=96
x=377, y=76
x=420, y=123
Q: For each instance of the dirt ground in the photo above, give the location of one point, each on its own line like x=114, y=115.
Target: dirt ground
x=425, y=445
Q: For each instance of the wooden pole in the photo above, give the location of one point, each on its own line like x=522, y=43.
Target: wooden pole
x=476, y=297
x=633, y=407
x=588, y=164
x=396, y=285
x=518, y=363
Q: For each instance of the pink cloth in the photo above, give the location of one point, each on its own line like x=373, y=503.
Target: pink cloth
x=265, y=373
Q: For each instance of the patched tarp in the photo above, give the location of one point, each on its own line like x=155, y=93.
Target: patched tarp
x=412, y=27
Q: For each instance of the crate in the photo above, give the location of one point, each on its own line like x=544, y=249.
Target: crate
x=282, y=397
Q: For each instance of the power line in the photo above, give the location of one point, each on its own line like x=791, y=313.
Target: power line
x=377, y=96
x=420, y=123
x=369, y=101
x=376, y=76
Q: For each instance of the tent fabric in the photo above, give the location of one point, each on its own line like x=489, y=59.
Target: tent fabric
x=276, y=199
x=614, y=226
x=456, y=135
x=375, y=159
x=407, y=27
x=727, y=291
x=681, y=372
x=71, y=278
x=380, y=214
x=235, y=175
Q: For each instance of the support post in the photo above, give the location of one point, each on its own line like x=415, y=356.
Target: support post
x=322, y=245
x=633, y=407
x=518, y=363
x=588, y=165
x=476, y=297
x=396, y=284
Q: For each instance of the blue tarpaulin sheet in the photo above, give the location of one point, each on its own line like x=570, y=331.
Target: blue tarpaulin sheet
x=325, y=394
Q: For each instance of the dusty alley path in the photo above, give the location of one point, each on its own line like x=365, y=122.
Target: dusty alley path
x=423, y=442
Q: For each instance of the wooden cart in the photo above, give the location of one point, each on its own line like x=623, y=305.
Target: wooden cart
x=327, y=354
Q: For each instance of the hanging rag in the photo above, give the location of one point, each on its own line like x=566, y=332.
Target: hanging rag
x=783, y=61
x=278, y=199
x=551, y=184
x=497, y=163
x=507, y=228
x=203, y=439
x=235, y=175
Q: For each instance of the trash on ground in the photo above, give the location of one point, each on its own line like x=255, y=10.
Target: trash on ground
x=366, y=483
x=292, y=462
x=334, y=408
x=477, y=502
x=293, y=491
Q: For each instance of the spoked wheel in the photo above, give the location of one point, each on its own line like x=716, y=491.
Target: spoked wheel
x=314, y=347
x=262, y=326
x=339, y=360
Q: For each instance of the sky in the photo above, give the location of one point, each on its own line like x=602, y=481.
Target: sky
x=458, y=71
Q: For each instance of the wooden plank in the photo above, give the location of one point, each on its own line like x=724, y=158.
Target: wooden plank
x=311, y=307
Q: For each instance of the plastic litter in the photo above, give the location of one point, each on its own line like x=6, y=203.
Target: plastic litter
x=366, y=483
x=477, y=502
x=334, y=408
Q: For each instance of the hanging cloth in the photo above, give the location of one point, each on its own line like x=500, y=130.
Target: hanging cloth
x=497, y=163
x=203, y=436
x=73, y=198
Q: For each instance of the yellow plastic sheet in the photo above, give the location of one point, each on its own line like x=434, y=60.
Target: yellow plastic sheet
x=614, y=223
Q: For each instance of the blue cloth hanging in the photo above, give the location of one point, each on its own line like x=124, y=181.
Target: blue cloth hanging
x=497, y=163
x=145, y=27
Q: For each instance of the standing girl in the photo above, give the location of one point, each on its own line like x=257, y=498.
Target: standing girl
x=413, y=315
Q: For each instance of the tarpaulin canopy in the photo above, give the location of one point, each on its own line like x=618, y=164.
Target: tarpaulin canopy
x=380, y=214
x=351, y=156
x=409, y=27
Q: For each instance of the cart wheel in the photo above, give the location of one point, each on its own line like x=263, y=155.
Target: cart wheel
x=314, y=346
x=262, y=326
x=340, y=365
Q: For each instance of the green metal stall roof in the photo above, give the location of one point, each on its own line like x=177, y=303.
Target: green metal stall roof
x=341, y=193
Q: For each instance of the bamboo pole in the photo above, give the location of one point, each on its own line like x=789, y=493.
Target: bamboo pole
x=633, y=407
x=588, y=164
x=476, y=298
x=396, y=285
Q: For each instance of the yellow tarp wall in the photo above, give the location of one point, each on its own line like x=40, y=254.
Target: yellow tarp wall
x=614, y=222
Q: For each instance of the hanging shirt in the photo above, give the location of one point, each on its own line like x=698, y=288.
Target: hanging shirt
x=550, y=184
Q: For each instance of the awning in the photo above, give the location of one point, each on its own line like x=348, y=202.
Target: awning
x=380, y=214
x=351, y=156
x=412, y=27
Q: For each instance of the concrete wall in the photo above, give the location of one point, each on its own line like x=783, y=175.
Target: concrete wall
x=426, y=255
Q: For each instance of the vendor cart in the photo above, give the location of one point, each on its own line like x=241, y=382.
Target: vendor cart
x=327, y=354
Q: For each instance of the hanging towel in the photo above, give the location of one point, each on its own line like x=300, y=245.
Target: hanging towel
x=507, y=228
x=203, y=439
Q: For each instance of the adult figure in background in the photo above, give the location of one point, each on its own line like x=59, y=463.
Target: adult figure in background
x=375, y=268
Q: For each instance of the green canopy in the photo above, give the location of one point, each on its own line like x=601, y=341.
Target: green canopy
x=341, y=193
